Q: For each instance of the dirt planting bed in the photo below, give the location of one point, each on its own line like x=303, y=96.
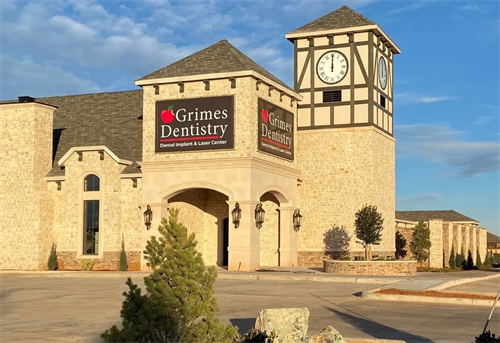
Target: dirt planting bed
x=441, y=294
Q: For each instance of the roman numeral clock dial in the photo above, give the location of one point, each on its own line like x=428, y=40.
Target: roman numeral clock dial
x=332, y=67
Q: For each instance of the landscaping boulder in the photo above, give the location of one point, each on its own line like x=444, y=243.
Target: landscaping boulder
x=289, y=324
x=328, y=335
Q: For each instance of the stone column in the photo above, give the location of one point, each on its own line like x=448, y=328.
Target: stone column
x=288, y=238
x=436, y=252
x=160, y=210
x=465, y=240
x=459, y=247
x=244, y=242
x=472, y=244
x=482, y=245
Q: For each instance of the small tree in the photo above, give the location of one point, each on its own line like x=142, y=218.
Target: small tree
x=479, y=263
x=400, y=246
x=123, y=258
x=421, y=242
x=452, y=261
x=52, y=264
x=369, y=227
x=469, y=264
x=179, y=303
x=460, y=260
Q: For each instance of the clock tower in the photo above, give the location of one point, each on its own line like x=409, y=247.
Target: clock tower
x=346, y=151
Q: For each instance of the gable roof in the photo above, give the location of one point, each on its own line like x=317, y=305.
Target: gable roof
x=445, y=215
x=492, y=239
x=113, y=119
x=343, y=17
x=220, y=57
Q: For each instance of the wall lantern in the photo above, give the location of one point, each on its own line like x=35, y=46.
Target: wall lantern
x=297, y=219
x=236, y=214
x=259, y=215
x=148, y=217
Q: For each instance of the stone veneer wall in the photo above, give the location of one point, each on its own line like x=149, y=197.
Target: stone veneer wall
x=68, y=260
x=371, y=268
x=120, y=216
x=342, y=170
x=437, y=248
x=269, y=233
x=25, y=207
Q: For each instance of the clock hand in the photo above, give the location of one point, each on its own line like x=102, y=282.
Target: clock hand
x=332, y=63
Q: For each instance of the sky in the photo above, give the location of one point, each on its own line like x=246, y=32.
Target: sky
x=446, y=111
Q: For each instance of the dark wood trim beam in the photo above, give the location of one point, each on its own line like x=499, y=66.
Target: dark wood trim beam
x=383, y=93
x=340, y=126
x=360, y=62
x=311, y=59
x=331, y=88
x=371, y=80
x=325, y=47
x=295, y=66
x=351, y=59
x=382, y=109
x=304, y=68
x=335, y=104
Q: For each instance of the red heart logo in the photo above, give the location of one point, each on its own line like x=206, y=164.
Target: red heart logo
x=167, y=115
x=265, y=116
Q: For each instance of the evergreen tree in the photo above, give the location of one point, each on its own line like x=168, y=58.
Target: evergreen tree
x=452, y=262
x=123, y=258
x=179, y=303
x=460, y=260
x=368, y=224
x=479, y=263
x=52, y=264
x=421, y=242
x=400, y=245
x=469, y=264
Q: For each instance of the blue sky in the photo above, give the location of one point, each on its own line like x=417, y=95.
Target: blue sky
x=446, y=79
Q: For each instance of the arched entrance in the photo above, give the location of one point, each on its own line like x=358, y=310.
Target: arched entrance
x=204, y=212
x=270, y=231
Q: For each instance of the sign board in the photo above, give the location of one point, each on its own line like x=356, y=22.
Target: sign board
x=276, y=129
x=195, y=124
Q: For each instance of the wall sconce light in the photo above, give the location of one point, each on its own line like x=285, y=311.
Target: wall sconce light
x=259, y=215
x=297, y=219
x=236, y=214
x=148, y=217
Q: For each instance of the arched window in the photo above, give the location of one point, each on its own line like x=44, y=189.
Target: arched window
x=91, y=183
x=91, y=205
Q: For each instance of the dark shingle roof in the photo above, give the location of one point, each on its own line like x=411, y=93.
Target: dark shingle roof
x=343, y=17
x=113, y=119
x=445, y=215
x=220, y=57
x=492, y=239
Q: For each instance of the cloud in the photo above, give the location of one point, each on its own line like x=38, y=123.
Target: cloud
x=414, y=98
x=424, y=197
x=39, y=80
x=468, y=8
x=412, y=7
x=443, y=145
x=482, y=120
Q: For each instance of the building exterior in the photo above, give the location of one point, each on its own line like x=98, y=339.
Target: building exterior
x=447, y=229
x=493, y=243
x=211, y=134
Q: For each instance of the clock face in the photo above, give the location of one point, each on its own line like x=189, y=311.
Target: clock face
x=332, y=67
x=382, y=73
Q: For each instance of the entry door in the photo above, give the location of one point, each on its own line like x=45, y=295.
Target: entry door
x=225, y=242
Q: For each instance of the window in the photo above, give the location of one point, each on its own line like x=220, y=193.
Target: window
x=382, y=101
x=91, y=183
x=91, y=225
x=332, y=96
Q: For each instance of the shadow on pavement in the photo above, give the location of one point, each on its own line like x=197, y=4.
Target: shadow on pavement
x=376, y=329
x=243, y=324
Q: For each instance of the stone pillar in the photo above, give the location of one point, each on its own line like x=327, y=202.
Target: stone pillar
x=465, y=240
x=288, y=238
x=436, y=251
x=472, y=244
x=447, y=242
x=459, y=247
x=481, y=242
x=160, y=210
x=244, y=242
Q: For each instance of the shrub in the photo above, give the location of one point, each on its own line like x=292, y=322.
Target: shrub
x=460, y=260
x=452, y=261
x=391, y=258
x=368, y=224
x=400, y=246
x=123, y=258
x=258, y=336
x=479, y=263
x=487, y=337
x=87, y=264
x=345, y=258
x=178, y=304
x=421, y=242
x=52, y=264
x=469, y=263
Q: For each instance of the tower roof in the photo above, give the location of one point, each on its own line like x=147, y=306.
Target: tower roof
x=220, y=57
x=343, y=17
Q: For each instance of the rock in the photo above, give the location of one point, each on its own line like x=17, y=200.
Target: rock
x=289, y=324
x=328, y=335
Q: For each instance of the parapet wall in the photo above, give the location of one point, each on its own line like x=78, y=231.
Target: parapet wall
x=371, y=267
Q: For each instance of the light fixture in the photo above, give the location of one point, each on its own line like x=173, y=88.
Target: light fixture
x=236, y=214
x=297, y=218
x=259, y=215
x=148, y=217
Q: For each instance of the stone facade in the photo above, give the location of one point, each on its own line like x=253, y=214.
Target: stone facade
x=371, y=267
x=68, y=260
x=341, y=170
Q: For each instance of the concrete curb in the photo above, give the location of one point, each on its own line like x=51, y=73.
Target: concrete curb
x=221, y=276
x=375, y=340
x=372, y=295
x=458, y=282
